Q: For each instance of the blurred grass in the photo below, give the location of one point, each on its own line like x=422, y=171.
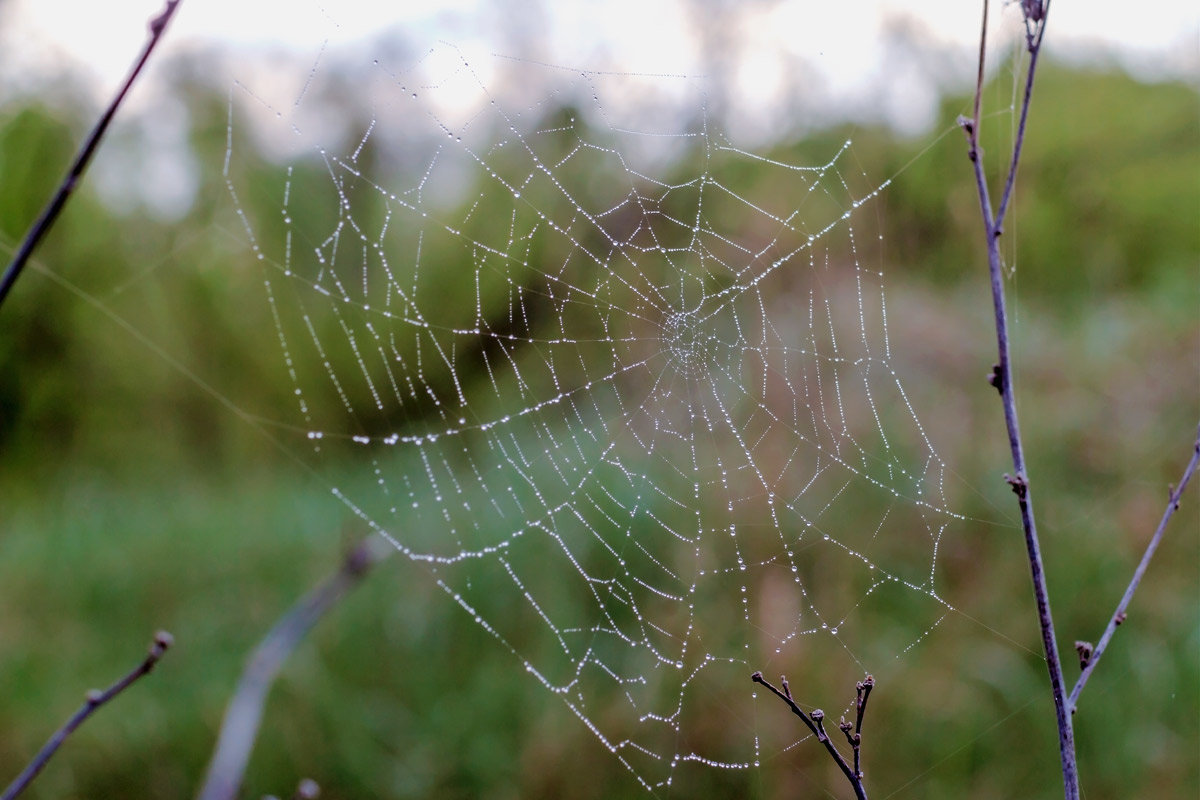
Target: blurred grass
x=134, y=501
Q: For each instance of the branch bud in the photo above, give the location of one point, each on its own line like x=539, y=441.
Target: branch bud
x=996, y=378
x=1084, y=649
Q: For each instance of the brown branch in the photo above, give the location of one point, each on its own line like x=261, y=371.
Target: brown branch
x=815, y=722
x=239, y=728
x=862, y=692
x=1035, y=13
x=95, y=699
x=1118, y=616
x=50, y=213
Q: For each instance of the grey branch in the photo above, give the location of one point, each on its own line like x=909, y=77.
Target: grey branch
x=95, y=699
x=1035, y=14
x=239, y=729
x=1119, y=615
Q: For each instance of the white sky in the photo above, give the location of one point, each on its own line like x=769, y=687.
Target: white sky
x=841, y=55
x=638, y=35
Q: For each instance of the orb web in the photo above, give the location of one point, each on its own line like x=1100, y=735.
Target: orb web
x=624, y=388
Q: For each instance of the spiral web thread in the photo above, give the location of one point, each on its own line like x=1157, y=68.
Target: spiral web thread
x=635, y=412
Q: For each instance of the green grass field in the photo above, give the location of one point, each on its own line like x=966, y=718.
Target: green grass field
x=134, y=501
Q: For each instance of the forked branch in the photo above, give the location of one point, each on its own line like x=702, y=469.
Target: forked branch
x=1093, y=656
x=95, y=699
x=50, y=213
x=239, y=728
x=1035, y=14
x=815, y=722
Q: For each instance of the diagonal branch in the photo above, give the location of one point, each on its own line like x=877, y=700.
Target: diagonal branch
x=815, y=721
x=50, y=213
x=95, y=699
x=1035, y=12
x=1119, y=615
x=244, y=712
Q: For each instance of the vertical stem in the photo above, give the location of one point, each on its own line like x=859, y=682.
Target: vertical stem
x=1002, y=379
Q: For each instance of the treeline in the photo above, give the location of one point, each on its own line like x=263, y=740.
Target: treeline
x=1116, y=211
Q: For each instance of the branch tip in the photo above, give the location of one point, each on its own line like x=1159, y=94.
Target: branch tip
x=93, y=700
x=815, y=722
x=83, y=157
x=243, y=714
x=158, y=22
x=307, y=789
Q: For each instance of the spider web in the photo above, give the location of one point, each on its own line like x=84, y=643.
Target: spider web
x=634, y=410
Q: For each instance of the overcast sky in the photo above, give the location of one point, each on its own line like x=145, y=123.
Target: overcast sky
x=766, y=64
x=636, y=35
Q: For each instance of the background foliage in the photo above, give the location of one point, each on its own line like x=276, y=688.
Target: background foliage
x=135, y=499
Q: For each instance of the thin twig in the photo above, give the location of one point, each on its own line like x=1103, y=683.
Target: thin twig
x=95, y=699
x=244, y=712
x=862, y=693
x=1035, y=12
x=50, y=213
x=815, y=721
x=1119, y=615
x=1034, y=43
x=973, y=154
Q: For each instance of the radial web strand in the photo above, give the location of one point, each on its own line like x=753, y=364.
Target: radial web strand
x=623, y=387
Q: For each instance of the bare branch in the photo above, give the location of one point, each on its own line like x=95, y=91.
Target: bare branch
x=1035, y=26
x=239, y=729
x=1118, y=616
x=815, y=722
x=1035, y=13
x=972, y=132
x=95, y=699
x=863, y=692
x=50, y=213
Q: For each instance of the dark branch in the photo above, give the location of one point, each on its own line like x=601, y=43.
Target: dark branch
x=95, y=699
x=863, y=692
x=815, y=722
x=239, y=729
x=1035, y=14
x=973, y=130
x=50, y=213
x=1033, y=38
x=1118, y=616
